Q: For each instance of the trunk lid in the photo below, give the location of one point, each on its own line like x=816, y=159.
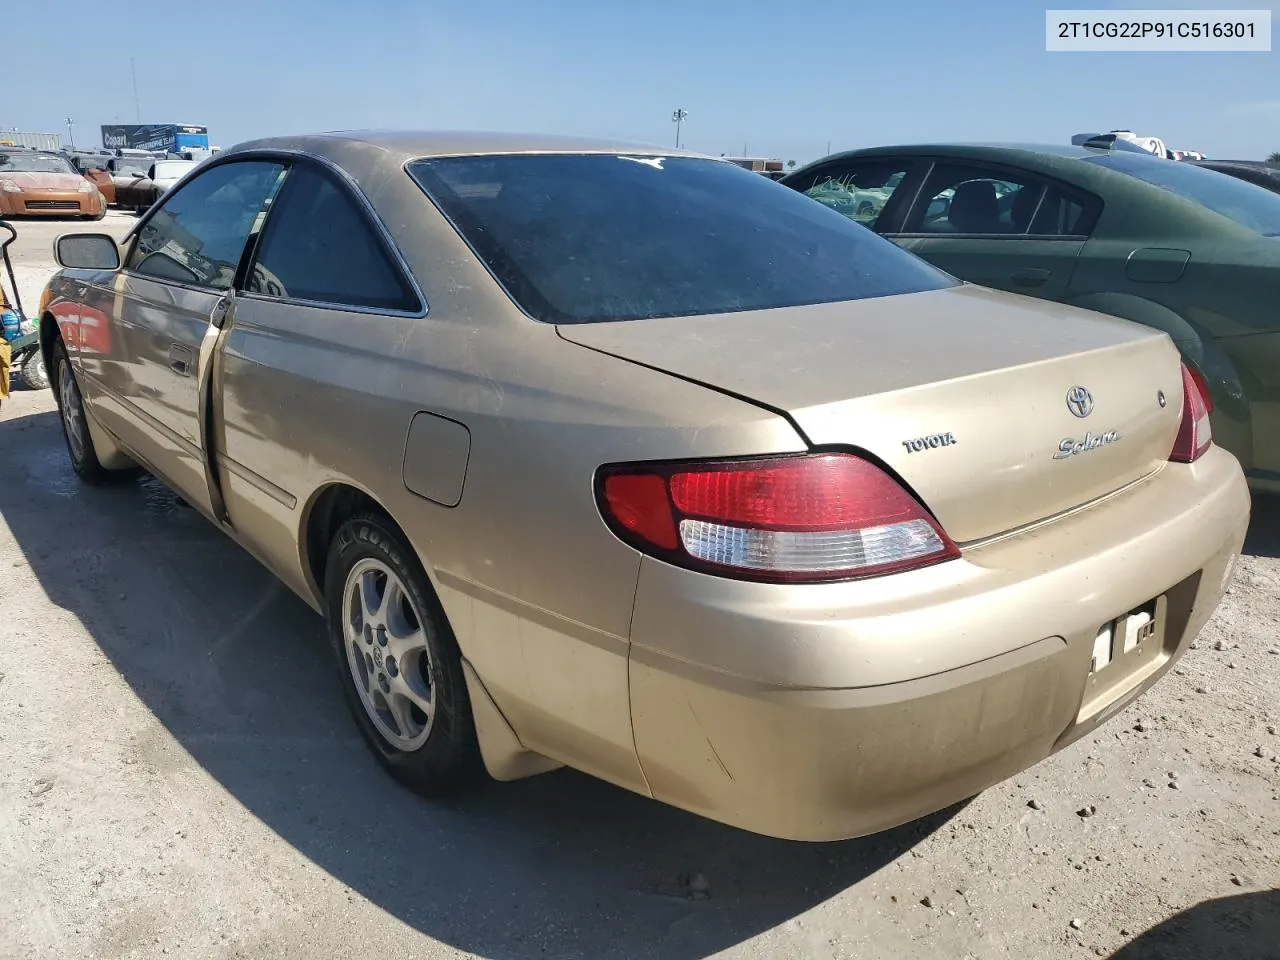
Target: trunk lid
x=962, y=391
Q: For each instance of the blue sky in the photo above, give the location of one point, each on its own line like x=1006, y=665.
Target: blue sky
x=783, y=79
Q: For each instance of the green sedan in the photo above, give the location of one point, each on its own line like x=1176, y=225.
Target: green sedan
x=1191, y=251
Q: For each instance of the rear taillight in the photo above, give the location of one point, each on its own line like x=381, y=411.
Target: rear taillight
x=788, y=519
x=1202, y=385
x=1194, y=433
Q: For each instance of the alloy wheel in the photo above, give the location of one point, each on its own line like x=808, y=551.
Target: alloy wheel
x=72, y=409
x=387, y=653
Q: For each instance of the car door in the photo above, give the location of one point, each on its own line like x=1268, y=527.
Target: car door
x=999, y=227
x=126, y=177
x=170, y=298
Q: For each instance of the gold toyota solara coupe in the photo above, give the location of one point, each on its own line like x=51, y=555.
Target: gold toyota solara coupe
x=638, y=462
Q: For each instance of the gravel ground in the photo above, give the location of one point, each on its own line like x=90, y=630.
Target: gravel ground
x=178, y=777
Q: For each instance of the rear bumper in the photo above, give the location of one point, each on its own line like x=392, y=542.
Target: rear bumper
x=833, y=711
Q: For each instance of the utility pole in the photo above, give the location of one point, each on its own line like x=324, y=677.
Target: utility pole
x=137, y=110
x=71, y=136
x=679, y=116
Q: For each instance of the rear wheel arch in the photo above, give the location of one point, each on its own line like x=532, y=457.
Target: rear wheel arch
x=328, y=509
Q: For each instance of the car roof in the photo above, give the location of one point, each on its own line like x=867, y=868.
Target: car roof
x=406, y=144
x=1261, y=165
x=1051, y=159
x=984, y=148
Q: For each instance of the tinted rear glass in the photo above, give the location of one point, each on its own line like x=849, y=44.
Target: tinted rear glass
x=1247, y=204
x=581, y=238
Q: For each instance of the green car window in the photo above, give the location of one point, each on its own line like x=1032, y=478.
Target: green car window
x=858, y=190
x=1245, y=204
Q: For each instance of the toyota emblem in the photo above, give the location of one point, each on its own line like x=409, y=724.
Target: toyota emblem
x=1079, y=401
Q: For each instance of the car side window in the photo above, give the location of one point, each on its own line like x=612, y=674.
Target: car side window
x=1059, y=215
x=859, y=190
x=968, y=199
x=319, y=245
x=198, y=233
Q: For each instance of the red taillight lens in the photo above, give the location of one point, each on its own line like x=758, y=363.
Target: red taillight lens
x=806, y=518
x=640, y=506
x=1202, y=385
x=1194, y=433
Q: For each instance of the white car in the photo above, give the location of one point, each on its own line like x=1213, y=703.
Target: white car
x=165, y=173
x=141, y=192
x=1151, y=144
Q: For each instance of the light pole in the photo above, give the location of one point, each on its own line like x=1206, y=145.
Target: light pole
x=679, y=116
x=71, y=136
x=137, y=110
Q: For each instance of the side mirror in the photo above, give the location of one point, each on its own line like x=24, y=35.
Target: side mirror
x=87, y=251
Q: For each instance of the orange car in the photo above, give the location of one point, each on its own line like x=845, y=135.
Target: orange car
x=46, y=184
x=100, y=177
x=95, y=168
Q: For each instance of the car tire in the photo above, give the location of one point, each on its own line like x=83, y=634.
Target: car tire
x=75, y=426
x=34, y=374
x=400, y=666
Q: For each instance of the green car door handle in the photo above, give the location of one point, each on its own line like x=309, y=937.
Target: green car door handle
x=1031, y=277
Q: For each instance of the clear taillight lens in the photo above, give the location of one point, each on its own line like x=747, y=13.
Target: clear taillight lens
x=788, y=519
x=1194, y=433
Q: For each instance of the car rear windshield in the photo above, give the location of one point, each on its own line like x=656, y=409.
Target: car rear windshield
x=1246, y=204
x=33, y=163
x=580, y=238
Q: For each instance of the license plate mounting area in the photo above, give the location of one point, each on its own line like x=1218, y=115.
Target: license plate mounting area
x=1125, y=652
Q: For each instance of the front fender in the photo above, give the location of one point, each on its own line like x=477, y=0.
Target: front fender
x=1231, y=418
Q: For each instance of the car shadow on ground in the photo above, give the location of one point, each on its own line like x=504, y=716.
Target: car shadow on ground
x=236, y=669
x=1244, y=927
x=1263, y=539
